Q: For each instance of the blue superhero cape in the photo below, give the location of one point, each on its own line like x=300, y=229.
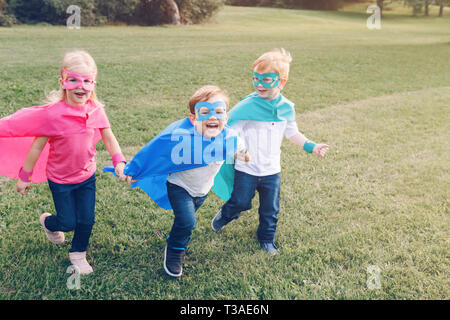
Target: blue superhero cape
x=178, y=147
x=255, y=108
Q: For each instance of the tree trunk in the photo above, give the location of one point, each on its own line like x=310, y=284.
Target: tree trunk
x=172, y=11
x=441, y=9
x=380, y=5
x=427, y=3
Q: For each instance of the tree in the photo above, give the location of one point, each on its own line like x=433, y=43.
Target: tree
x=441, y=4
x=172, y=11
x=380, y=5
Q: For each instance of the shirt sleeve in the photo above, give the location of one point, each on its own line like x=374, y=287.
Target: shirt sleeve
x=238, y=126
x=291, y=129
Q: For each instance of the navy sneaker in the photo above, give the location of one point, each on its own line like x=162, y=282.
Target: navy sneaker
x=218, y=222
x=173, y=262
x=269, y=247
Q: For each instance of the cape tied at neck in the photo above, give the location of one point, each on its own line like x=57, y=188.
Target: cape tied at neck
x=18, y=131
x=178, y=147
x=254, y=108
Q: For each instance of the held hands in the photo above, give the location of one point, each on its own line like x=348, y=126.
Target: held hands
x=22, y=187
x=119, y=172
x=320, y=149
x=243, y=155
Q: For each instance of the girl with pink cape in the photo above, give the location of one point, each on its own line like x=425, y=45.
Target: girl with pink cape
x=56, y=143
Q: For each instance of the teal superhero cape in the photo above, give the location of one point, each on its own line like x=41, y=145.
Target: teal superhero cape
x=253, y=108
x=178, y=147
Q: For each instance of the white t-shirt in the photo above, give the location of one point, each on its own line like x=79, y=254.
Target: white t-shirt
x=263, y=140
x=197, y=182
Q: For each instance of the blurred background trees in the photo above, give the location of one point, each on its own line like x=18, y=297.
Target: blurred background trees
x=154, y=12
x=97, y=12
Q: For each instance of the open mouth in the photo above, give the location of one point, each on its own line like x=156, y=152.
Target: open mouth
x=80, y=95
x=212, y=125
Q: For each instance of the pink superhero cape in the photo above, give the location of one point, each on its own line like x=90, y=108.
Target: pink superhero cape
x=18, y=131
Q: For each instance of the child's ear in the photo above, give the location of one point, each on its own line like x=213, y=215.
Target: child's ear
x=192, y=117
x=282, y=84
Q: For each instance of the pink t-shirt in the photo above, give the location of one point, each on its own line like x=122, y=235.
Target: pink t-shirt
x=71, y=157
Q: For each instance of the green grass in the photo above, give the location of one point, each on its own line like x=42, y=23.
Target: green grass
x=379, y=98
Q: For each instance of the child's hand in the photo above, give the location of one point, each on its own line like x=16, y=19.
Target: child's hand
x=320, y=149
x=130, y=179
x=119, y=171
x=243, y=155
x=22, y=187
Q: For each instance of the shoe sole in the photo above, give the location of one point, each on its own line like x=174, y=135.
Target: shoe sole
x=167, y=270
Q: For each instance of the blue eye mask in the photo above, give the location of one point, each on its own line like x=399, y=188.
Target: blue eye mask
x=268, y=80
x=212, y=110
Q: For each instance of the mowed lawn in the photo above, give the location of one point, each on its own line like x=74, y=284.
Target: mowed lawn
x=379, y=98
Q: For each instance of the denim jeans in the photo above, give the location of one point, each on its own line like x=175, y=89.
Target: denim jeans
x=244, y=189
x=75, y=210
x=184, y=207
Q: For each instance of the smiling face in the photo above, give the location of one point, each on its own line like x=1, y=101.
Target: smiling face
x=266, y=91
x=78, y=85
x=213, y=124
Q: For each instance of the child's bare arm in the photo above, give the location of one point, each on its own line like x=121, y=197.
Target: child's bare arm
x=299, y=139
x=30, y=161
x=112, y=145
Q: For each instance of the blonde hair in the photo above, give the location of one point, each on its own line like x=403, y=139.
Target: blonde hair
x=204, y=94
x=75, y=61
x=277, y=60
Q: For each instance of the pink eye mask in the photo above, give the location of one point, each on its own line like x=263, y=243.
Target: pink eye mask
x=73, y=80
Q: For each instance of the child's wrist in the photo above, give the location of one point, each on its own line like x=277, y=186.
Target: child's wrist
x=24, y=175
x=118, y=158
x=309, y=146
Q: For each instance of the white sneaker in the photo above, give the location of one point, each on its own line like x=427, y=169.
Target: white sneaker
x=78, y=259
x=56, y=237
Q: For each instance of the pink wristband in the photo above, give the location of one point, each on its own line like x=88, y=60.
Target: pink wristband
x=117, y=158
x=25, y=176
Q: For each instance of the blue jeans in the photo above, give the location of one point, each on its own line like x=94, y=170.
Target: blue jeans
x=184, y=207
x=244, y=189
x=75, y=210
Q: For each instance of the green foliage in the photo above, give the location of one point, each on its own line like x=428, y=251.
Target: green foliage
x=6, y=19
x=143, y=12
x=51, y=11
x=118, y=10
x=198, y=11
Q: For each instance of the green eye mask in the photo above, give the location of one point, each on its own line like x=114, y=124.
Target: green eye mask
x=268, y=80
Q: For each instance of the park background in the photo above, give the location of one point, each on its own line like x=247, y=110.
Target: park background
x=380, y=198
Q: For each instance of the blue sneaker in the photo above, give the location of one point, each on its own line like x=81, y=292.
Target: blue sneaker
x=269, y=247
x=218, y=222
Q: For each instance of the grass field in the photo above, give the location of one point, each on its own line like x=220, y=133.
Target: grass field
x=379, y=98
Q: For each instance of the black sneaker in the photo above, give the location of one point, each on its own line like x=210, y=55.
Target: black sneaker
x=218, y=222
x=173, y=262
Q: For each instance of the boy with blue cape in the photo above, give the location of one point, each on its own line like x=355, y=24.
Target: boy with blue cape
x=177, y=168
x=261, y=119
